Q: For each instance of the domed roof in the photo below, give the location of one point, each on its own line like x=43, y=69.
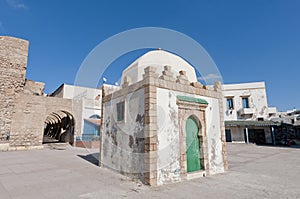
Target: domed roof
x=159, y=59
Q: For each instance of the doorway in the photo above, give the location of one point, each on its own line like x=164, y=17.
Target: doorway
x=192, y=145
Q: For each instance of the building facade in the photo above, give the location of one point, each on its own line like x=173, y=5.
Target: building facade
x=161, y=126
x=90, y=99
x=247, y=114
x=288, y=132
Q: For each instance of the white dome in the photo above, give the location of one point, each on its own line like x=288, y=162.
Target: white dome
x=159, y=59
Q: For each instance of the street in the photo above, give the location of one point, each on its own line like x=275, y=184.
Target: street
x=67, y=172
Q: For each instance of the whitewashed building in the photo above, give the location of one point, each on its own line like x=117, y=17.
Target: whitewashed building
x=162, y=126
x=90, y=100
x=247, y=114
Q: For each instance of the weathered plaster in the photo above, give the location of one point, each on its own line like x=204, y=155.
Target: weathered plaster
x=168, y=135
x=123, y=141
x=168, y=127
x=256, y=93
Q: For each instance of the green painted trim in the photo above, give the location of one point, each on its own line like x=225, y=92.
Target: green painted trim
x=250, y=123
x=191, y=99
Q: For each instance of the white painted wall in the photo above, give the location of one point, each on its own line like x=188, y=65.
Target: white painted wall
x=90, y=106
x=158, y=58
x=256, y=92
x=168, y=135
x=118, y=152
x=78, y=92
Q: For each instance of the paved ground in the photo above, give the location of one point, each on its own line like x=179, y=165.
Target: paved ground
x=255, y=172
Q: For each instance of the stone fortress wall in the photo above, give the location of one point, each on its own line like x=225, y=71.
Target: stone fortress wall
x=13, y=63
x=23, y=106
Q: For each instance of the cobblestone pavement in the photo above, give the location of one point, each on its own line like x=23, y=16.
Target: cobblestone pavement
x=66, y=172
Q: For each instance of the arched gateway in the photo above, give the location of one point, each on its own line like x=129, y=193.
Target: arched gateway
x=59, y=127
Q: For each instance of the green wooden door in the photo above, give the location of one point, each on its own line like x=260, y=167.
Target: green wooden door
x=193, y=146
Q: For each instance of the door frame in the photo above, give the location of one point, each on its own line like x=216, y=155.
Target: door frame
x=197, y=111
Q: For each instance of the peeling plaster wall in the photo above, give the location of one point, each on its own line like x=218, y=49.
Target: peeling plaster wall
x=123, y=141
x=168, y=136
x=168, y=148
x=257, y=100
x=213, y=132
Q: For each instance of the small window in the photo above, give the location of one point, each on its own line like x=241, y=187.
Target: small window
x=260, y=119
x=230, y=103
x=120, y=111
x=245, y=101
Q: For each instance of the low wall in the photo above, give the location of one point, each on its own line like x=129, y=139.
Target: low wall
x=27, y=127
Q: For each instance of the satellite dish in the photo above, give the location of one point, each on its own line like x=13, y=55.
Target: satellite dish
x=116, y=83
x=104, y=79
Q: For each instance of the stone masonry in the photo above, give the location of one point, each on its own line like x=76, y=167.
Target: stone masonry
x=23, y=107
x=13, y=63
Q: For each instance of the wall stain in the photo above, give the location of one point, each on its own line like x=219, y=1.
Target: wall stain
x=131, y=141
x=139, y=134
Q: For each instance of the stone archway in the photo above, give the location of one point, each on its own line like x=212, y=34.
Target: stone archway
x=59, y=127
x=190, y=110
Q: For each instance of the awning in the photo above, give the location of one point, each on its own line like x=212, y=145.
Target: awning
x=250, y=123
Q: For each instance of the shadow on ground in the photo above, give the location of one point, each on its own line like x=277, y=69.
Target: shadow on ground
x=92, y=158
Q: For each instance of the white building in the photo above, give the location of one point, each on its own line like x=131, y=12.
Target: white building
x=90, y=99
x=162, y=126
x=247, y=114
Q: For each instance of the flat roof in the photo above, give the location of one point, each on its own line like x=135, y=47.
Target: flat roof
x=242, y=86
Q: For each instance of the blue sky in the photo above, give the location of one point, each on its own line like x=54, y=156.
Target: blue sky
x=250, y=40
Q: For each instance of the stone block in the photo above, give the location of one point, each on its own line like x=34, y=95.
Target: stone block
x=167, y=73
x=150, y=167
x=150, y=89
x=150, y=69
x=151, y=182
x=151, y=113
x=150, y=127
x=167, y=78
x=151, y=140
x=182, y=72
x=182, y=81
x=150, y=119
